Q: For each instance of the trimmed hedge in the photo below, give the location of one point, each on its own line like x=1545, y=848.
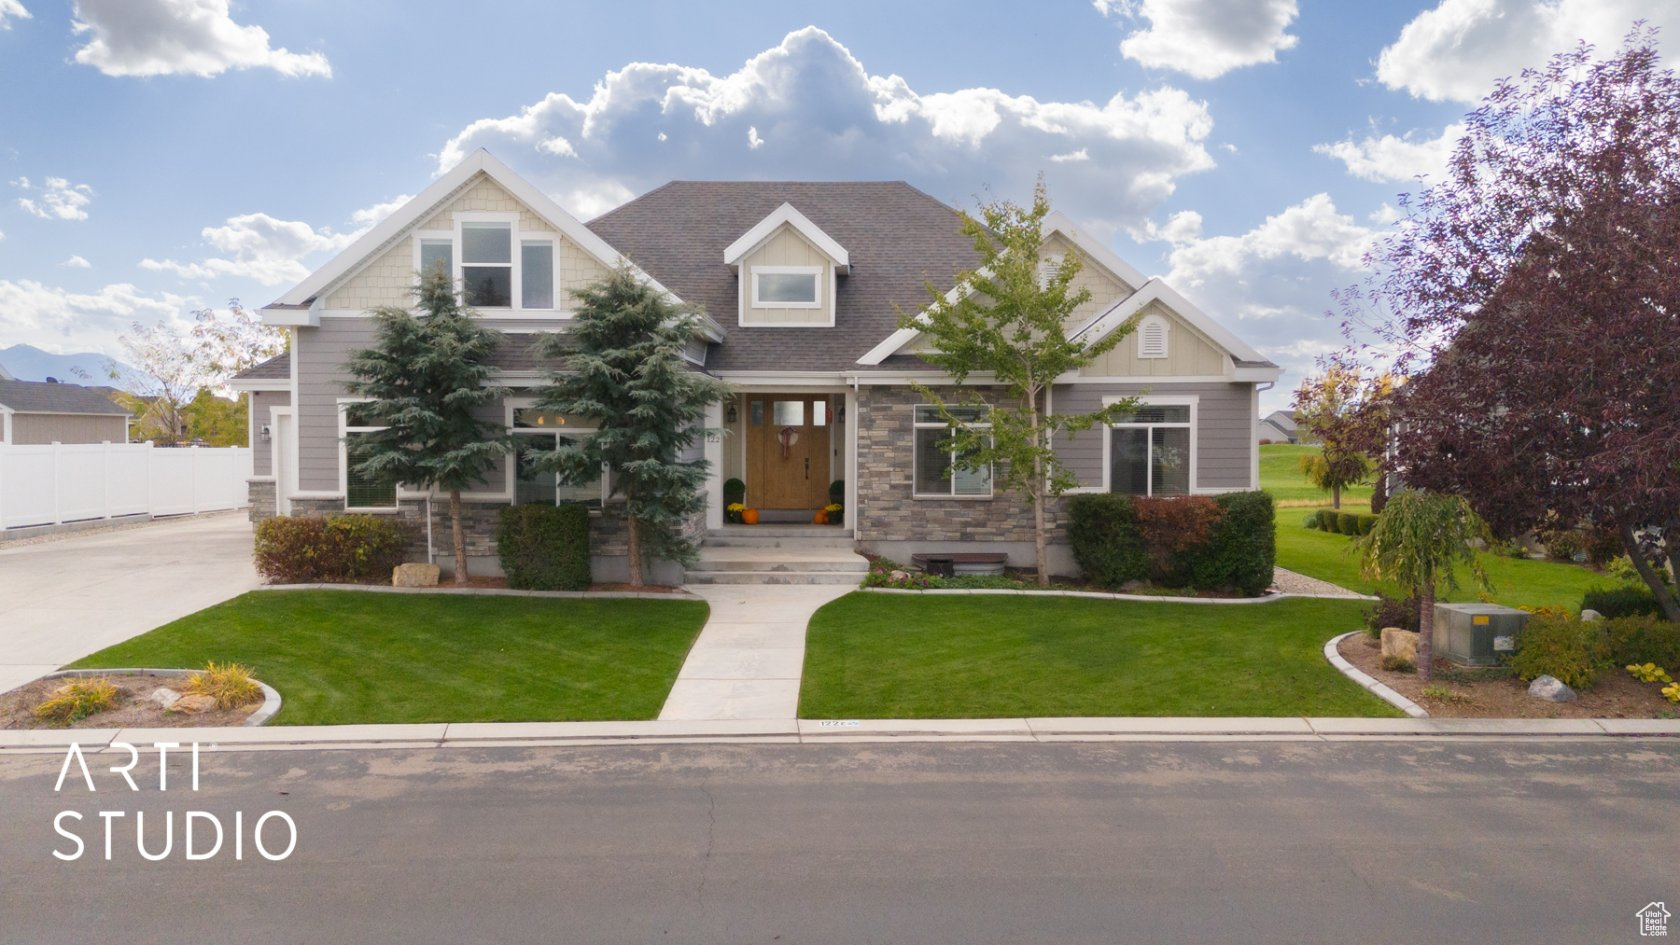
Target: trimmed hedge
x=1346, y=523
x=1327, y=520
x=1644, y=640
x=1626, y=601
x=333, y=549
x=1238, y=553
x=545, y=547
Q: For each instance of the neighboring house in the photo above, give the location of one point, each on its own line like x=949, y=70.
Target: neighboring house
x=1279, y=427
x=803, y=284
x=37, y=412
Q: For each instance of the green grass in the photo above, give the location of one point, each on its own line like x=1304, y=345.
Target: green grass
x=1516, y=583
x=1280, y=474
x=984, y=656
x=340, y=657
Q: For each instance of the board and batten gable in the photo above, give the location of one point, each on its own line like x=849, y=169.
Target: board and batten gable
x=389, y=279
x=1189, y=353
x=787, y=247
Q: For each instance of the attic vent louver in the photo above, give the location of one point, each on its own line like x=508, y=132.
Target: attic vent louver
x=1152, y=338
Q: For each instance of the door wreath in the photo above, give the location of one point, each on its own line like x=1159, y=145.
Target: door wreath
x=788, y=437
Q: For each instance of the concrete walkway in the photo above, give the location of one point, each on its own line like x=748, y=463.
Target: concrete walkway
x=747, y=662
x=63, y=598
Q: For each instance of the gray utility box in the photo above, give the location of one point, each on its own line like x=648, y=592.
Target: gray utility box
x=1477, y=634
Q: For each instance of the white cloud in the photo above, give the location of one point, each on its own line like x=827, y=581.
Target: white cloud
x=54, y=318
x=270, y=250
x=1456, y=50
x=1205, y=38
x=824, y=116
x=1310, y=230
x=179, y=37
x=369, y=216
x=11, y=10
x=1395, y=158
x=76, y=262
x=58, y=200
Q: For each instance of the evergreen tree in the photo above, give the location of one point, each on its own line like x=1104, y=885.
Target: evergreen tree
x=624, y=369
x=425, y=380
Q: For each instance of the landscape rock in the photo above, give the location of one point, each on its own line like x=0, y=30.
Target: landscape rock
x=1589, y=615
x=1399, y=648
x=194, y=704
x=900, y=576
x=1551, y=689
x=415, y=575
x=165, y=696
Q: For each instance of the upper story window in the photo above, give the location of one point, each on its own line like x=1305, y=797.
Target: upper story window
x=787, y=286
x=495, y=264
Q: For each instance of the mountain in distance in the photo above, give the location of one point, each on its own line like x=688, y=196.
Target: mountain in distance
x=29, y=363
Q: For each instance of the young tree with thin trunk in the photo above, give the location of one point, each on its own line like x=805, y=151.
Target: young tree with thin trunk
x=1418, y=540
x=1010, y=319
x=1332, y=409
x=426, y=379
x=623, y=368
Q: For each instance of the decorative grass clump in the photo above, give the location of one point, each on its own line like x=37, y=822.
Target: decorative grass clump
x=230, y=684
x=78, y=699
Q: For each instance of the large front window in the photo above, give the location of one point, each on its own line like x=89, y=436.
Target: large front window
x=1149, y=451
x=535, y=434
x=362, y=491
x=495, y=264
x=940, y=471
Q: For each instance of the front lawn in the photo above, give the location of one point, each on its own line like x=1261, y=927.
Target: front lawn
x=341, y=657
x=1280, y=474
x=986, y=656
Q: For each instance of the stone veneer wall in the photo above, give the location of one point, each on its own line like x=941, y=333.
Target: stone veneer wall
x=888, y=509
x=261, y=492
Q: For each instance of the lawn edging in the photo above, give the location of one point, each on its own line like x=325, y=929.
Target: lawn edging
x=264, y=712
x=679, y=594
x=1106, y=595
x=1370, y=684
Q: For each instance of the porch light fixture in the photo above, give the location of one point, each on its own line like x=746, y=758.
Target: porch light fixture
x=840, y=414
x=733, y=414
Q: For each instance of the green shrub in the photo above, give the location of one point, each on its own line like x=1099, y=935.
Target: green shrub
x=545, y=547
x=1107, y=542
x=1365, y=523
x=1327, y=520
x=1562, y=544
x=1562, y=647
x=314, y=549
x=1311, y=522
x=1628, y=601
x=1644, y=639
x=1241, y=548
x=1389, y=611
x=1347, y=523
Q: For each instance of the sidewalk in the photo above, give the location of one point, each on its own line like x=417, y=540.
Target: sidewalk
x=747, y=662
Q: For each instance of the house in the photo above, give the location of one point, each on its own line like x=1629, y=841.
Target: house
x=1279, y=427
x=802, y=283
x=37, y=412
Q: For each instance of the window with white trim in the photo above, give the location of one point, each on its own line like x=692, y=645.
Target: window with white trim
x=362, y=491
x=1149, y=451
x=787, y=286
x=939, y=471
x=538, y=432
x=495, y=265
x=1152, y=338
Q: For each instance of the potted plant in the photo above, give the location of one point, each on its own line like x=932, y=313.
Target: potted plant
x=834, y=513
x=734, y=494
x=732, y=512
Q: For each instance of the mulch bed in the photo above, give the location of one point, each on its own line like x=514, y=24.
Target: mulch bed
x=1496, y=694
x=133, y=708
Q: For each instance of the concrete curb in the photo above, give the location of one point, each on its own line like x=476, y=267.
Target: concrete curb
x=264, y=712
x=1371, y=685
x=1102, y=595
x=483, y=591
x=829, y=731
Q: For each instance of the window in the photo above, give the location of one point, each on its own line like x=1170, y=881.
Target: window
x=437, y=252
x=536, y=274
x=787, y=287
x=487, y=264
x=1150, y=451
x=360, y=490
x=539, y=432
x=938, y=470
x=495, y=265
x=1152, y=338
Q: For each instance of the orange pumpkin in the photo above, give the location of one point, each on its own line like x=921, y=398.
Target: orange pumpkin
x=750, y=516
x=821, y=518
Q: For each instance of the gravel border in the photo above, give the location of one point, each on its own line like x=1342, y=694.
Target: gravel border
x=264, y=712
x=1368, y=683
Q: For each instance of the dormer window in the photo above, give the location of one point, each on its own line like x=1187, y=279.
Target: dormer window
x=497, y=265
x=787, y=286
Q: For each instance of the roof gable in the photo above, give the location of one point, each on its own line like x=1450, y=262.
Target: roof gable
x=787, y=215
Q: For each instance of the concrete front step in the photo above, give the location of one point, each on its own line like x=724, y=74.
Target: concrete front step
x=773, y=577
x=792, y=542
x=780, y=531
x=853, y=565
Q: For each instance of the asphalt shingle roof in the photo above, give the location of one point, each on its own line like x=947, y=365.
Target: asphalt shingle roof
x=277, y=368
x=41, y=397
x=898, y=239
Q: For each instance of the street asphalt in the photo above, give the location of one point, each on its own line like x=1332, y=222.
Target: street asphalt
x=1436, y=840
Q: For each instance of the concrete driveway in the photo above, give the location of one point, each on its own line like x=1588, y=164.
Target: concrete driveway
x=65, y=598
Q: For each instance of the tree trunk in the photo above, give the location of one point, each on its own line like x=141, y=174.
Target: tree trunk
x=1336, y=495
x=458, y=541
x=1036, y=494
x=633, y=546
x=1653, y=579
x=1426, y=629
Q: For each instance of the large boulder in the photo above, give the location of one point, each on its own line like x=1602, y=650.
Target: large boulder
x=415, y=575
x=1589, y=615
x=1551, y=689
x=1399, y=648
x=194, y=703
x=165, y=696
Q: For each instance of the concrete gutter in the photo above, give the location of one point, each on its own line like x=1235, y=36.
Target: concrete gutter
x=826, y=731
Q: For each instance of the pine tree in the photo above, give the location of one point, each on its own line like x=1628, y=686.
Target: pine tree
x=624, y=369
x=426, y=378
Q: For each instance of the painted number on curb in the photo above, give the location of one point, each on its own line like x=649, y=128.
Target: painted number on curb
x=850, y=723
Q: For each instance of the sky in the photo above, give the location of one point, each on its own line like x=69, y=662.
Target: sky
x=162, y=156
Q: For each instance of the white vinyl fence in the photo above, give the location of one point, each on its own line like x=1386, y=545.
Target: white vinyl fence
x=49, y=485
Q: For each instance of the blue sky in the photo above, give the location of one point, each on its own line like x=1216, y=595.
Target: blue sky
x=158, y=156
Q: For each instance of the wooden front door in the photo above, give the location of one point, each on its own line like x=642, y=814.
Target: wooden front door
x=787, y=451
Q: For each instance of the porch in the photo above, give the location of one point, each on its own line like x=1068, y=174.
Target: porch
x=792, y=452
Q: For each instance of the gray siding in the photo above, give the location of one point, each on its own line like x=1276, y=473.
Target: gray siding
x=35, y=429
x=1225, y=441
x=262, y=451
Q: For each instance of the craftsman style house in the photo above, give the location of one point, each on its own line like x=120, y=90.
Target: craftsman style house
x=802, y=284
